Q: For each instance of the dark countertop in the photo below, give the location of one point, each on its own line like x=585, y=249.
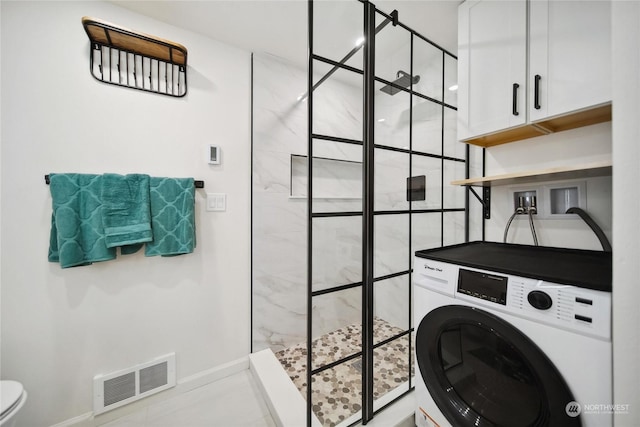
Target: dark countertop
x=587, y=269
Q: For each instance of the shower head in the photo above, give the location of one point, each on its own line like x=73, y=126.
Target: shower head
x=403, y=79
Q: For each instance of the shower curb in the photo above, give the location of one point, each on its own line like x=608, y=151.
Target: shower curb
x=287, y=406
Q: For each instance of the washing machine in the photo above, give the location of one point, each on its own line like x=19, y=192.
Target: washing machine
x=512, y=335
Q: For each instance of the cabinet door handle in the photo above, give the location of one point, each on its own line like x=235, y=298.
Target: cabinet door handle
x=515, y=99
x=536, y=92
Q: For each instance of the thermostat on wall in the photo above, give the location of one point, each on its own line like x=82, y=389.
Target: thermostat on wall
x=213, y=155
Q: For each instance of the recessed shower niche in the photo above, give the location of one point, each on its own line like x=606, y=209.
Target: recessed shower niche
x=333, y=178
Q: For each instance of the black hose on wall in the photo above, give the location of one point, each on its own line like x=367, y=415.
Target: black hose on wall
x=606, y=246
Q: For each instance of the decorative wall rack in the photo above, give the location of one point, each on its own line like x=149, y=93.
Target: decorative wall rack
x=136, y=60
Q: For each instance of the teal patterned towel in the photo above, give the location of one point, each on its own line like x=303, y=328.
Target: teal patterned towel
x=172, y=217
x=126, y=214
x=77, y=234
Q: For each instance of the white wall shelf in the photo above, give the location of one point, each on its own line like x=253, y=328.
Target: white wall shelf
x=587, y=170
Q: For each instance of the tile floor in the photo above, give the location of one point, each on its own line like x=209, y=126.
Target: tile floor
x=337, y=391
x=234, y=401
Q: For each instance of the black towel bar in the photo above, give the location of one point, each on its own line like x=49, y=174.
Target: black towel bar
x=197, y=183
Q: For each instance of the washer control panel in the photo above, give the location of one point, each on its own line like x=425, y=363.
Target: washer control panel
x=485, y=286
x=565, y=306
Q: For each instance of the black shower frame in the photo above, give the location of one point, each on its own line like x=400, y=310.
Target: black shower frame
x=368, y=212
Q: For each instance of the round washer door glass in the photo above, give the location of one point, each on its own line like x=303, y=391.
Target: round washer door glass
x=482, y=371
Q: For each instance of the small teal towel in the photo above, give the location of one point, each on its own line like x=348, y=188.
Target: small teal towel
x=77, y=234
x=126, y=213
x=172, y=217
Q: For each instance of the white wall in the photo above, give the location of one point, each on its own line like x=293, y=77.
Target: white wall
x=626, y=228
x=62, y=327
x=583, y=145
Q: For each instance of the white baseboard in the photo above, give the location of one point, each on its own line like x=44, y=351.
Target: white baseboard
x=183, y=385
x=84, y=420
x=214, y=374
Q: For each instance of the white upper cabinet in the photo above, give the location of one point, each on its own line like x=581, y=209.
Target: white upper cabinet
x=531, y=67
x=570, y=56
x=492, y=47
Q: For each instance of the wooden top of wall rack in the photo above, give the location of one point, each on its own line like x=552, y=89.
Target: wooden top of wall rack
x=107, y=34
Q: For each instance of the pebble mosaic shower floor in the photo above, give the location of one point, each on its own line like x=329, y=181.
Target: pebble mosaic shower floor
x=337, y=391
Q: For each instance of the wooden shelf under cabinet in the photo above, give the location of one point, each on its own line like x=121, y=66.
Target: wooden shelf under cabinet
x=588, y=170
x=574, y=120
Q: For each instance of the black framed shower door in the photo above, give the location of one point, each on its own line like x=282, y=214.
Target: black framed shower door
x=381, y=104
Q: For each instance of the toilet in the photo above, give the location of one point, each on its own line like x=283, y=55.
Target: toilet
x=12, y=398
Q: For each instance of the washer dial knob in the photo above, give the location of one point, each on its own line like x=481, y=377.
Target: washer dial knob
x=540, y=300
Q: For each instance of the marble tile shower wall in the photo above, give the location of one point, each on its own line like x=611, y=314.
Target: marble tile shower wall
x=279, y=203
x=279, y=200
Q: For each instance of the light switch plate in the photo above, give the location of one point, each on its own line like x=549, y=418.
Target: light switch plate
x=216, y=202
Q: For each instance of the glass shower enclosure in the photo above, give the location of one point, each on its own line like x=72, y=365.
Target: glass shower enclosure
x=351, y=163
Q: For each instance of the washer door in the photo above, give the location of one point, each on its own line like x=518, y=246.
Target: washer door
x=482, y=371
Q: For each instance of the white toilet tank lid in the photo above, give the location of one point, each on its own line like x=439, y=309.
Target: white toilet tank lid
x=10, y=393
